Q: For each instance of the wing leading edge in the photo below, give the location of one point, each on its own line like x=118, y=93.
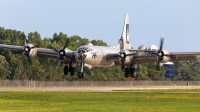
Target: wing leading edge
x=151, y=57
x=41, y=52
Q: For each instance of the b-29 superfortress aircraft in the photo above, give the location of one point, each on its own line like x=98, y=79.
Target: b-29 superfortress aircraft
x=100, y=56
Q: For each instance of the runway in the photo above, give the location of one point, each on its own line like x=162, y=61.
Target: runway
x=96, y=89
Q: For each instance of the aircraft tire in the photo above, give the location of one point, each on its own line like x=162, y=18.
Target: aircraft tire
x=83, y=75
x=126, y=72
x=72, y=70
x=132, y=72
x=79, y=75
x=66, y=70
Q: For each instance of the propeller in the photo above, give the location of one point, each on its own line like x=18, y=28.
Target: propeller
x=160, y=53
x=122, y=54
x=27, y=50
x=62, y=52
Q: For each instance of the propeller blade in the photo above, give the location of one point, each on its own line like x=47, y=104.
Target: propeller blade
x=56, y=50
x=121, y=43
x=122, y=65
x=24, y=42
x=158, y=66
x=29, y=59
x=122, y=55
x=56, y=61
x=66, y=44
x=161, y=43
x=159, y=53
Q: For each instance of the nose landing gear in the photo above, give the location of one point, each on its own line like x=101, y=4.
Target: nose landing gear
x=81, y=74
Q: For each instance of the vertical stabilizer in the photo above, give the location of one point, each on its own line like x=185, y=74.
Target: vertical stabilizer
x=124, y=40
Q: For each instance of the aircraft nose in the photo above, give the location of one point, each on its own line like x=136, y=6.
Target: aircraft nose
x=82, y=56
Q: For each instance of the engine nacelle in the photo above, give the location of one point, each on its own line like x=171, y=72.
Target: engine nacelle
x=126, y=59
x=30, y=51
x=163, y=56
x=65, y=56
x=165, y=59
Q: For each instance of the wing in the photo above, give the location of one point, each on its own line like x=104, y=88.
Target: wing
x=41, y=52
x=12, y=47
x=50, y=53
x=152, y=57
x=174, y=56
x=181, y=56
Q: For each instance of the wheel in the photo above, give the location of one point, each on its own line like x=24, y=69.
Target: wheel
x=72, y=70
x=126, y=75
x=66, y=70
x=126, y=72
x=79, y=75
x=132, y=72
x=83, y=75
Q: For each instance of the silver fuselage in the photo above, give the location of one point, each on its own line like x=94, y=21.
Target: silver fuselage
x=95, y=55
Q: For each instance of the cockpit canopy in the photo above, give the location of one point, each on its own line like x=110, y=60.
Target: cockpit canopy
x=84, y=49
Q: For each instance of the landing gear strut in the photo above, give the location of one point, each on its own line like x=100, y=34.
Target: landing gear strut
x=81, y=74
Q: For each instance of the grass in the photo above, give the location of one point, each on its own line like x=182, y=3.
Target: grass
x=117, y=101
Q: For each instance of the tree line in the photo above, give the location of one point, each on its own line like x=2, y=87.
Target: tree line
x=15, y=66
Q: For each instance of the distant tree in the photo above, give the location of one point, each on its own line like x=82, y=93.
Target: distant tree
x=99, y=43
x=187, y=70
x=4, y=68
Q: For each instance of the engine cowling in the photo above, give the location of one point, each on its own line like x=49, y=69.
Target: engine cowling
x=124, y=57
x=65, y=56
x=30, y=51
x=163, y=56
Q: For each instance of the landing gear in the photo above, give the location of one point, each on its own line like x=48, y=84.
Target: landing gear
x=66, y=70
x=134, y=69
x=131, y=70
x=81, y=74
x=126, y=72
x=72, y=70
x=69, y=69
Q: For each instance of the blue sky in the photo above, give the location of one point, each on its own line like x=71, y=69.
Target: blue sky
x=176, y=20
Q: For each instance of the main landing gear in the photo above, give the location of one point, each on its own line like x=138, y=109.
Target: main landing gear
x=81, y=74
x=69, y=69
x=131, y=71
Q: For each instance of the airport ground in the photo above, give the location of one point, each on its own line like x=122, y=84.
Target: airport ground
x=101, y=99
x=95, y=88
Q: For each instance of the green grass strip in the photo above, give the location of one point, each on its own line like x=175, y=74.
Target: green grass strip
x=122, y=101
